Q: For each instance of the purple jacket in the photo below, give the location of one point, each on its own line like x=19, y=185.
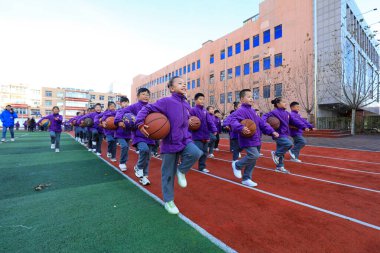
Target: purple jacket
x=246, y=112
x=227, y=122
x=97, y=118
x=137, y=136
x=298, y=131
x=285, y=119
x=207, y=124
x=107, y=114
x=177, y=110
x=120, y=132
x=218, y=124
x=91, y=116
x=55, y=124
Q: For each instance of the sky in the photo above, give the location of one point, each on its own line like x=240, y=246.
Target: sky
x=93, y=44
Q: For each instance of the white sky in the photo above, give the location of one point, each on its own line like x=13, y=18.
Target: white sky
x=90, y=44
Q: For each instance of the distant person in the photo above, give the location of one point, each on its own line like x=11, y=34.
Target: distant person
x=26, y=124
x=55, y=128
x=7, y=117
x=17, y=125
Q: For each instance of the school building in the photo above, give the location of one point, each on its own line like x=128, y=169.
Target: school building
x=273, y=54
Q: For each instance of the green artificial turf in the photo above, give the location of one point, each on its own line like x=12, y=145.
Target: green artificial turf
x=88, y=207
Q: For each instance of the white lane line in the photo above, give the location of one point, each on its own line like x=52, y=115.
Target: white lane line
x=198, y=228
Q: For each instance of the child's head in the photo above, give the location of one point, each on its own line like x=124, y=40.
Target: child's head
x=217, y=114
x=55, y=109
x=210, y=109
x=89, y=109
x=295, y=106
x=177, y=85
x=246, y=96
x=278, y=103
x=143, y=94
x=124, y=101
x=78, y=113
x=111, y=106
x=98, y=107
x=231, y=112
x=199, y=99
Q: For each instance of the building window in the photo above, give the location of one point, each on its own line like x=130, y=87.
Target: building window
x=278, y=60
x=237, y=48
x=256, y=93
x=193, y=84
x=60, y=94
x=266, y=63
x=193, y=66
x=256, y=41
x=246, y=44
x=222, y=54
x=188, y=69
x=246, y=69
x=176, y=72
x=278, y=90
x=266, y=91
x=211, y=79
x=111, y=99
x=198, y=64
x=198, y=82
x=48, y=93
x=93, y=97
x=222, y=98
x=278, y=32
x=256, y=66
x=188, y=85
x=184, y=70
x=48, y=103
x=212, y=100
x=266, y=36
x=229, y=97
x=180, y=72
x=237, y=96
x=101, y=97
x=47, y=112
x=229, y=73
x=229, y=51
x=211, y=59
x=222, y=75
x=237, y=71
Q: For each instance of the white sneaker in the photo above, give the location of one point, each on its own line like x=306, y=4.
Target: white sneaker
x=137, y=152
x=12, y=139
x=181, y=179
x=216, y=149
x=275, y=158
x=90, y=150
x=113, y=160
x=94, y=150
x=109, y=155
x=261, y=154
x=144, y=181
x=138, y=173
x=211, y=156
x=292, y=155
x=239, y=155
x=205, y=170
x=123, y=167
x=237, y=173
x=94, y=143
x=98, y=154
x=52, y=146
x=171, y=207
x=296, y=160
x=2, y=140
x=249, y=183
x=282, y=170
x=57, y=150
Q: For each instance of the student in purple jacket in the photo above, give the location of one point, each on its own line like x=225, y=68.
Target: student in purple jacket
x=250, y=144
x=110, y=112
x=201, y=136
x=234, y=138
x=98, y=132
x=122, y=134
x=296, y=133
x=177, y=143
x=283, y=142
x=218, y=125
x=93, y=132
x=211, y=144
x=55, y=127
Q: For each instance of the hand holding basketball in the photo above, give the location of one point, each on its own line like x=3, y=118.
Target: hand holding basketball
x=121, y=124
x=143, y=128
x=246, y=131
x=275, y=135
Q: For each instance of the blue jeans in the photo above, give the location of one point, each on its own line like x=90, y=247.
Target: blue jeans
x=55, y=138
x=111, y=145
x=11, y=129
x=98, y=138
x=283, y=145
x=189, y=155
x=299, y=143
x=235, y=148
x=145, y=151
x=124, y=144
x=249, y=162
x=203, y=146
x=211, y=144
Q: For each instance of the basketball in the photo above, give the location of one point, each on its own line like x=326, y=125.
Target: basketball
x=45, y=123
x=88, y=122
x=159, y=126
x=82, y=124
x=196, y=123
x=273, y=122
x=251, y=125
x=110, y=123
x=129, y=120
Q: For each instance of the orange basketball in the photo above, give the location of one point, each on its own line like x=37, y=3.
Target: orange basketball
x=159, y=126
x=196, y=123
x=274, y=122
x=110, y=123
x=251, y=125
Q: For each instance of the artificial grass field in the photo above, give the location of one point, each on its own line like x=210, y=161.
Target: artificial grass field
x=87, y=208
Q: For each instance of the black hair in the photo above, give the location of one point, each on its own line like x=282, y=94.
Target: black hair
x=124, y=99
x=141, y=90
x=171, y=81
x=8, y=105
x=243, y=92
x=216, y=111
x=256, y=110
x=55, y=107
x=231, y=112
x=210, y=106
x=97, y=104
x=110, y=103
x=276, y=101
x=294, y=103
x=78, y=113
x=198, y=95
